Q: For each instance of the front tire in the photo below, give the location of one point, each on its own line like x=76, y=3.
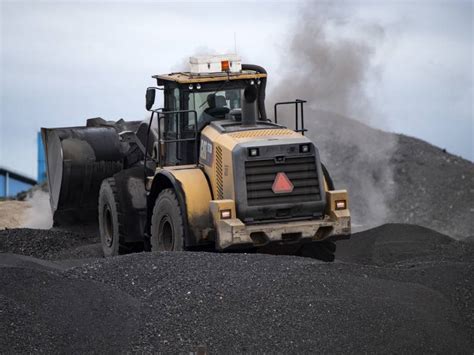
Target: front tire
x=109, y=226
x=167, y=223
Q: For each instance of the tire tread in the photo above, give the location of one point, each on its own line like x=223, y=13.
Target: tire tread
x=171, y=194
x=109, y=183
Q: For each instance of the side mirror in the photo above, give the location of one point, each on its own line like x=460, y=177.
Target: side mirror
x=150, y=98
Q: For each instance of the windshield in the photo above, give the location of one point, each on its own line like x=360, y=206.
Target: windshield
x=214, y=104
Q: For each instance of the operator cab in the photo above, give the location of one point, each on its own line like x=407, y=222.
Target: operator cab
x=211, y=91
x=216, y=100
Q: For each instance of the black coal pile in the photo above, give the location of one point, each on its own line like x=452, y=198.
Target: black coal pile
x=434, y=188
x=50, y=244
x=395, y=178
x=46, y=312
x=396, y=288
x=394, y=244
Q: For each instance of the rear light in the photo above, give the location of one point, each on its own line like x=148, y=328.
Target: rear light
x=304, y=148
x=253, y=152
x=341, y=205
x=226, y=214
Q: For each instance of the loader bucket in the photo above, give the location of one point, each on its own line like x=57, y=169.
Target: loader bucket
x=78, y=159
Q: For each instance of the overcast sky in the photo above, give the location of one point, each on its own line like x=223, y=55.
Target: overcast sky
x=65, y=61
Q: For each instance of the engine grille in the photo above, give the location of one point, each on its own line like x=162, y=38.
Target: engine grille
x=301, y=171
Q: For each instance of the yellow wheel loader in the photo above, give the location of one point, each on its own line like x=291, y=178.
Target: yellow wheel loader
x=207, y=169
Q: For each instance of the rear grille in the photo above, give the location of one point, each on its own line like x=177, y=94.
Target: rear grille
x=301, y=171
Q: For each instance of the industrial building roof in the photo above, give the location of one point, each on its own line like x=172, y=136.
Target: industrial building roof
x=17, y=175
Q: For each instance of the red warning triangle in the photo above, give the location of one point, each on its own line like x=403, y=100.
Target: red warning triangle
x=282, y=185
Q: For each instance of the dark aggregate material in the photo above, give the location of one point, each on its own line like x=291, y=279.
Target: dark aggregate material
x=48, y=244
x=426, y=185
x=434, y=188
x=395, y=288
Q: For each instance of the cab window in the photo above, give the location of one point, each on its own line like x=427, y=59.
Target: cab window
x=214, y=104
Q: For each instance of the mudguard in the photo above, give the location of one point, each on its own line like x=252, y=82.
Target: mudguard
x=194, y=195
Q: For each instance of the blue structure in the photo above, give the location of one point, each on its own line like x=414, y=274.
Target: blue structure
x=41, y=160
x=12, y=182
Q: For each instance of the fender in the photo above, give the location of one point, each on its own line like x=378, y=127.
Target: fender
x=193, y=193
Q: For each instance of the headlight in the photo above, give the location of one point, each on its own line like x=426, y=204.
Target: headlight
x=304, y=148
x=226, y=214
x=253, y=152
x=341, y=205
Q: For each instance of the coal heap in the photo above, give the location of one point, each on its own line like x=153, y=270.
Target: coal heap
x=397, y=288
x=395, y=178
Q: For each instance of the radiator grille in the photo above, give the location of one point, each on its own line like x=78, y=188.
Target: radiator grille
x=301, y=171
x=219, y=179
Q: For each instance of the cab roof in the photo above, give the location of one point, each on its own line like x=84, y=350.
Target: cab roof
x=191, y=78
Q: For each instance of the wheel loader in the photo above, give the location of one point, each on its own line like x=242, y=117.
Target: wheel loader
x=208, y=169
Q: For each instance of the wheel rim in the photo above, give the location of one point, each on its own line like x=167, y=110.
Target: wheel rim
x=109, y=227
x=166, y=233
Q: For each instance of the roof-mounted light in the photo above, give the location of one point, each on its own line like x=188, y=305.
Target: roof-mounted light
x=215, y=64
x=225, y=65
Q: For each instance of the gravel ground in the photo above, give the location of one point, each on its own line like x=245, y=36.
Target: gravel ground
x=396, y=288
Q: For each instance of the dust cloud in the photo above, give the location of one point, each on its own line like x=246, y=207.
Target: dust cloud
x=38, y=215
x=331, y=63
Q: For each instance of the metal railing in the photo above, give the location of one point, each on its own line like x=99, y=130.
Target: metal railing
x=162, y=142
x=298, y=107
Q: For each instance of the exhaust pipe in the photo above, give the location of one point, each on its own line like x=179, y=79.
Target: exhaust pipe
x=262, y=88
x=249, y=108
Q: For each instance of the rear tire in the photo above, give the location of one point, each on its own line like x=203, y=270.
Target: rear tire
x=109, y=221
x=167, y=223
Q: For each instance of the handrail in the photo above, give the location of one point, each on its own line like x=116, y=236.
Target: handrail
x=163, y=114
x=297, y=104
